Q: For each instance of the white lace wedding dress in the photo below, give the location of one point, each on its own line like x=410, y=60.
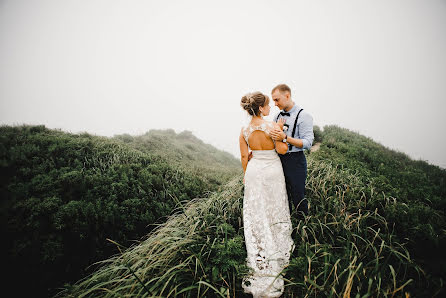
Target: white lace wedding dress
x=266, y=220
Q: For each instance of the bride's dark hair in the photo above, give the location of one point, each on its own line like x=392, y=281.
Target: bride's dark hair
x=251, y=102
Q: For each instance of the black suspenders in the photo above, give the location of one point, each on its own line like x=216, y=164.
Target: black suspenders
x=294, y=128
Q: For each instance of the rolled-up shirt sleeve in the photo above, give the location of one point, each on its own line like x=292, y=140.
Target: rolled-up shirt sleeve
x=306, y=131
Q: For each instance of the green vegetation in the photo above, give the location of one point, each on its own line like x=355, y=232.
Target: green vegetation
x=63, y=195
x=417, y=216
x=377, y=225
x=377, y=228
x=317, y=134
x=186, y=151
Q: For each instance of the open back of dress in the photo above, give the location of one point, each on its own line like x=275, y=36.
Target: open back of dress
x=257, y=136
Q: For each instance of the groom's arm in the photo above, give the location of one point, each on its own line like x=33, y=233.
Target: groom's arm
x=279, y=135
x=306, y=132
x=295, y=142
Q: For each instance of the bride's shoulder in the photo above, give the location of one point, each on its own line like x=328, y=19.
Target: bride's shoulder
x=245, y=130
x=245, y=127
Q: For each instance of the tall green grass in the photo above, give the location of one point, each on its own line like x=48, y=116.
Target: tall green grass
x=343, y=249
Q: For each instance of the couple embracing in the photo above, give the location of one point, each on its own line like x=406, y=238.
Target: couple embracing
x=274, y=183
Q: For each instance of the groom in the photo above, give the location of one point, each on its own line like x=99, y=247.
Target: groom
x=298, y=134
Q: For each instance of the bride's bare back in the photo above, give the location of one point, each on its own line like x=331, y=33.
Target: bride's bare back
x=259, y=140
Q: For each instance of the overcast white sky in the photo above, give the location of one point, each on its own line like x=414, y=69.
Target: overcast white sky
x=107, y=67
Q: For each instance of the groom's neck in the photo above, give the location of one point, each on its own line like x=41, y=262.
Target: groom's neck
x=289, y=107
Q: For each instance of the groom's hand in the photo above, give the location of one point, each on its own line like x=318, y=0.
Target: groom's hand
x=277, y=134
x=249, y=155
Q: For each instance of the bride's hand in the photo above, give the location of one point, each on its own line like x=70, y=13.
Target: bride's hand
x=277, y=134
x=281, y=122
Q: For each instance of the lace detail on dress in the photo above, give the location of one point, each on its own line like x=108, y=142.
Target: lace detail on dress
x=266, y=127
x=267, y=224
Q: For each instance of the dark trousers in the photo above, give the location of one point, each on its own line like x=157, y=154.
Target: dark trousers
x=294, y=166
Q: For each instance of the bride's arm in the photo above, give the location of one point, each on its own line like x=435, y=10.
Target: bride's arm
x=244, y=152
x=281, y=147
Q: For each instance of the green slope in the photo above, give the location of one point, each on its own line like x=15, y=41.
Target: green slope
x=63, y=195
x=368, y=234
x=184, y=150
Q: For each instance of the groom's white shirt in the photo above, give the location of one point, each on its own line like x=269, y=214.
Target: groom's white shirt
x=304, y=127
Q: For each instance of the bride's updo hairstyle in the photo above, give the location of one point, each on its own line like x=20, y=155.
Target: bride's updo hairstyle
x=251, y=102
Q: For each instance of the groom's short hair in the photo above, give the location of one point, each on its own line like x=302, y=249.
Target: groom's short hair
x=282, y=88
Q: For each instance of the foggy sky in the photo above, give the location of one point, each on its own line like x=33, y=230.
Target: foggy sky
x=112, y=67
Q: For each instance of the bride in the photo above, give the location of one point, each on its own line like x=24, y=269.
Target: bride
x=266, y=216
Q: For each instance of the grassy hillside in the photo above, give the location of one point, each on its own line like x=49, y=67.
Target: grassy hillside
x=186, y=151
x=376, y=228
x=418, y=189
x=64, y=195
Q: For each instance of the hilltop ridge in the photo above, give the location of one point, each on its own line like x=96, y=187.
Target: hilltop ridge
x=184, y=150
